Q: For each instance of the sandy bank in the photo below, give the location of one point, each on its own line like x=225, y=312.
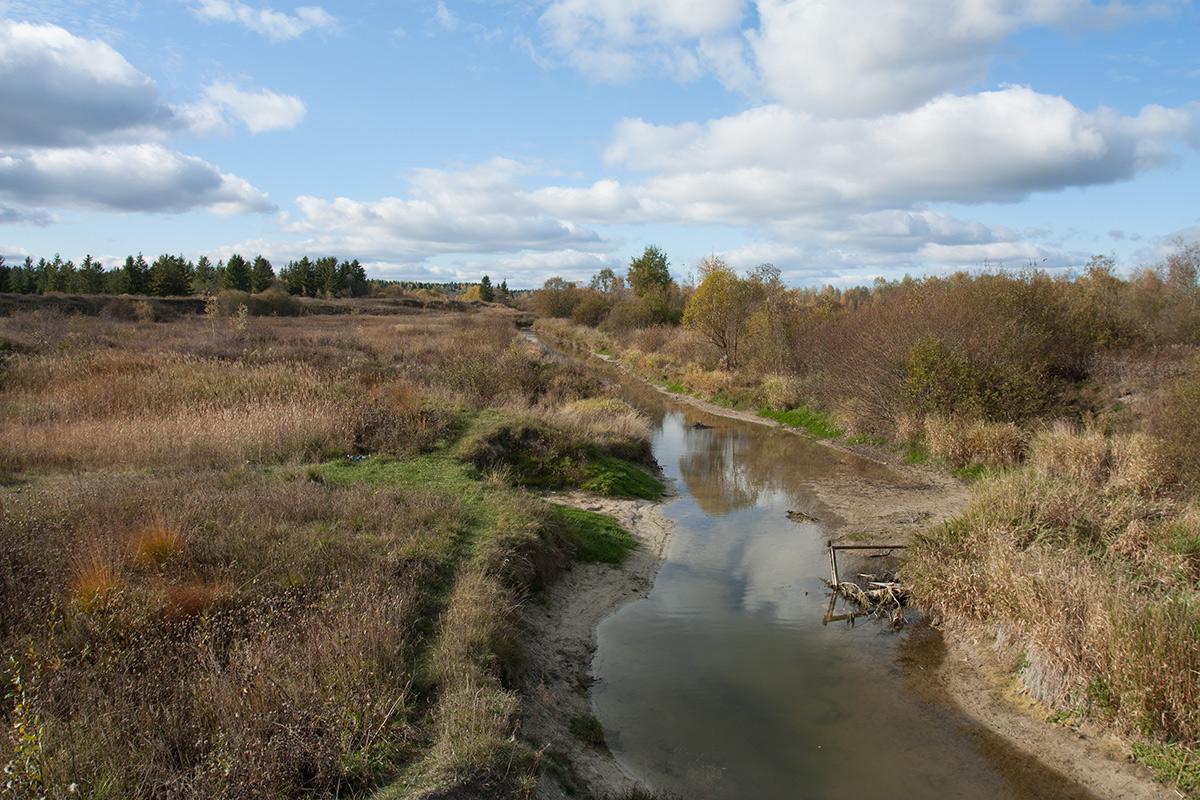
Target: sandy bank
x=560, y=637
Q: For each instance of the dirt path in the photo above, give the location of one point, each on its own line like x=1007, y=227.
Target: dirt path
x=1041, y=760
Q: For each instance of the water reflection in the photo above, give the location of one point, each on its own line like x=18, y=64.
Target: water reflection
x=723, y=683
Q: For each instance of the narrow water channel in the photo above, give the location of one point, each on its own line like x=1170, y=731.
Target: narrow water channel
x=724, y=683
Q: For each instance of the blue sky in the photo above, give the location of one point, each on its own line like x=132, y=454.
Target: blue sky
x=524, y=139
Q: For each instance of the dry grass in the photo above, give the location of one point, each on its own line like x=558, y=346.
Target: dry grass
x=1090, y=566
x=962, y=443
x=706, y=382
x=206, y=598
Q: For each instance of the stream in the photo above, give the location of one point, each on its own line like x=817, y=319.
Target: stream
x=724, y=683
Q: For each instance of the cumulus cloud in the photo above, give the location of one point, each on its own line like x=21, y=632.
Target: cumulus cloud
x=863, y=57
x=773, y=163
x=475, y=210
x=59, y=90
x=275, y=25
x=145, y=177
x=11, y=215
x=259, y=111
x=83, y=129
x=845, y=58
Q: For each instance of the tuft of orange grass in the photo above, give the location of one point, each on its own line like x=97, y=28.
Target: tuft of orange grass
x=156, y=544
x=95, y=582
x=193, y=598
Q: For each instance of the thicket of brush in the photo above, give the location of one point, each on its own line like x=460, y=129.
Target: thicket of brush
x=248, y=557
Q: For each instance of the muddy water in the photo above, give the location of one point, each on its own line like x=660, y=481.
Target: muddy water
x=724, y=683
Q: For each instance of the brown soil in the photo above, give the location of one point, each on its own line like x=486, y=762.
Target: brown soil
x=959, y=669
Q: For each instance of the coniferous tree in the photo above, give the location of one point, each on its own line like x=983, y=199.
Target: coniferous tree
x=353, y=278
x=204, y=277
x=486, y=293
x=5, y=272
x=137, y=274
x=327, y=278
x=649, y=272
x=89, y=278
x=261, y=275
x=22, y=279
x=298, y=275
x=170, y=276
x=237, y=274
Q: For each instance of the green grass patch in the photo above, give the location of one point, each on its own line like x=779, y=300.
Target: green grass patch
x=917, y=453
x=615, y=477
x=818, y=424
x=587, y=729
x=599, y=536
x=1173, y=764
x=530, y=453
x=973, y=471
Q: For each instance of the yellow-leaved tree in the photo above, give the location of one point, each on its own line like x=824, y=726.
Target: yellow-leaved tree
x=721, y=306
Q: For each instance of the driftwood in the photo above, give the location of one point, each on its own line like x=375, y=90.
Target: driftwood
x=875, y=597
x=879, y=599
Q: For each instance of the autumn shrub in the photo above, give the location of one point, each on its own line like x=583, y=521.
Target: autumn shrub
x=538, y=453
x=782, y=391
x=1179, y=424
x=989, y=347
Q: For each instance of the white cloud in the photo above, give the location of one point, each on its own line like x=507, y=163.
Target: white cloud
x=846, y=58
x=59, y=90
x=83, y=129
x=476, y=210
x=617, y=40
x=446, y=19
x=275, y=25
x=258, y=111
x=532, y=269
x=996, y=254
x=862, y=57
x=771, y=163
x=145, y=177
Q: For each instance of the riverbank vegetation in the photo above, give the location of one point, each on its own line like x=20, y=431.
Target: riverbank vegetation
x=1071, y=400
x=253, y=556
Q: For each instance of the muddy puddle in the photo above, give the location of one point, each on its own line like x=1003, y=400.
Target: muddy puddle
x=724, y=683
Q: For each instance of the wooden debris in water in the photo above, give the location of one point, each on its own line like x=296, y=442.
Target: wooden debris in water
x=880, y=598
x=877, y=599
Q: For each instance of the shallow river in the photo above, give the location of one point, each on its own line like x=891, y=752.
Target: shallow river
x=724, y=683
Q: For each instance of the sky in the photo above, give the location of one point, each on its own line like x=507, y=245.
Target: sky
x=442, y=140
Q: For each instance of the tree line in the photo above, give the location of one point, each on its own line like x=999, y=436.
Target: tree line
x=174, y=276
x=644, y=295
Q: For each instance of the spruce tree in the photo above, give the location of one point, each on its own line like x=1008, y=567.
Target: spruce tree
x=237, y=274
